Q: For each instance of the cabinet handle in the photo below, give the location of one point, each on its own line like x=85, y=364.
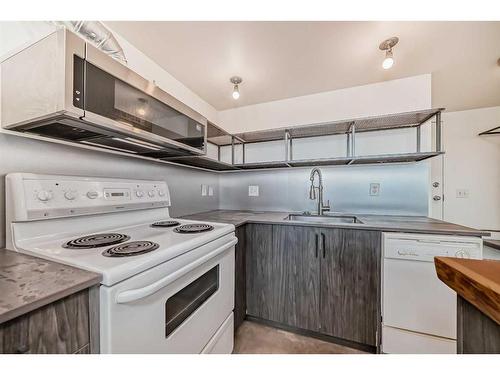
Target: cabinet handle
x=317, y=240
x=323, y=240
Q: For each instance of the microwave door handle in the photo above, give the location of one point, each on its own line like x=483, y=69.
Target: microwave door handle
x=136, y=294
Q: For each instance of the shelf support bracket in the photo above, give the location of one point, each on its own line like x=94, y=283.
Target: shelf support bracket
x=353, y=140
x=419, y=138
x=438, y=132
x=348, y=147
x=287, y=145
x=491, y=131
x=232, y=149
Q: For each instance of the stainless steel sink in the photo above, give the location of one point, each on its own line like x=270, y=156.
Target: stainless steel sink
x=333, y=219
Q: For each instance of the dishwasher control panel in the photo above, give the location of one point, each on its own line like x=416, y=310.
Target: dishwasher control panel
x=423, y=247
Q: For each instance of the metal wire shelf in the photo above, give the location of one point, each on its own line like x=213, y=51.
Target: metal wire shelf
x=350, y=128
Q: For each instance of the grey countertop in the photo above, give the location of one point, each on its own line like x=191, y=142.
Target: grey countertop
x=387, y=223
x=27, y=283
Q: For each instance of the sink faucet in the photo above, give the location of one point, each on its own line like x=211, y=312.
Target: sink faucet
x=322, y=208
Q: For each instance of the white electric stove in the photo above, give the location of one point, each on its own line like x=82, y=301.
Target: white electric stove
x=168, y=284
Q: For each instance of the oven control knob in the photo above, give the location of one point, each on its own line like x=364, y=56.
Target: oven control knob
x=44, y=195
x=151, y=193
x=161, y=193
x=92, y=194
x=139, y=193
x=70, y=195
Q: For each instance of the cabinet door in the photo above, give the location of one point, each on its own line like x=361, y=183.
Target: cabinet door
x=296, y=276
x=240, y=304
x=259, y=273
x=61, y=327
x=283, y=275
x=350, y=284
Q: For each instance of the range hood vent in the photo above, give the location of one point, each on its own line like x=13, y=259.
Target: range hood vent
x=97, y=34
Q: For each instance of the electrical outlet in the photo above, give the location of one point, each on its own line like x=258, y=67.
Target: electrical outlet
x=374, y=189
x=253, y=190
x=204, y=190
x=462, y=193
x=210, y=191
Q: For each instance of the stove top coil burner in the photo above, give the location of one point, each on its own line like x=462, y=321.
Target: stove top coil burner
x=96, y=240
x=166, y=224
x=131, y=249
x=193, y=228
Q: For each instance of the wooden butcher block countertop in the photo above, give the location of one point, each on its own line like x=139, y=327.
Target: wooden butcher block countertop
x=477, y=281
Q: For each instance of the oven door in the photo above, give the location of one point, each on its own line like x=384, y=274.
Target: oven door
x=122, y=100
x=175, y=307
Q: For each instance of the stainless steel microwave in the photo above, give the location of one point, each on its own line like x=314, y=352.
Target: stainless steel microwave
x=62, y=87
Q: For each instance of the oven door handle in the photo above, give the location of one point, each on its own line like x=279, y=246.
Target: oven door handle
x=136, y=294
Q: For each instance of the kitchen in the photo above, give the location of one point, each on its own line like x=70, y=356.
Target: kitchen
x=345, y=212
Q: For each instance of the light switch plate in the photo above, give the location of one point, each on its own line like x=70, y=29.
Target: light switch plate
x=204, y=190
x=253, y=190
x=462, y=193
x=374, y=189
x=210, y=190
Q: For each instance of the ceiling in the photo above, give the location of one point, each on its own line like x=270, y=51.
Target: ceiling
x=280, y=60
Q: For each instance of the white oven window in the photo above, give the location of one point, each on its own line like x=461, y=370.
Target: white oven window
x=186, y=301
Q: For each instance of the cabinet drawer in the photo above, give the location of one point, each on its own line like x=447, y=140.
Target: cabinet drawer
x=60, y=327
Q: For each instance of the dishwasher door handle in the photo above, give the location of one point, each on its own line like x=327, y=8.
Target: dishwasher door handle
x=136, y=294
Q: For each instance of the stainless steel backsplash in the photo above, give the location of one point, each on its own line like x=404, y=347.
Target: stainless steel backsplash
x=403, y=189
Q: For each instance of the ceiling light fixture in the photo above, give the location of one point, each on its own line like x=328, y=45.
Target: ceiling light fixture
x=387, y=46
x=236, y=90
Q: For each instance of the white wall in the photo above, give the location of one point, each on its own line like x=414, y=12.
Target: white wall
x=472, y=163
x=407, y=94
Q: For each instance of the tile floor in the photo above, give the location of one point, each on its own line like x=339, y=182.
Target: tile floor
x=254, y=338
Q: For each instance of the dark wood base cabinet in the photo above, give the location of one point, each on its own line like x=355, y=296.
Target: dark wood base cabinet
x=67, y=326
x=476, y=332
x=319, y=280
